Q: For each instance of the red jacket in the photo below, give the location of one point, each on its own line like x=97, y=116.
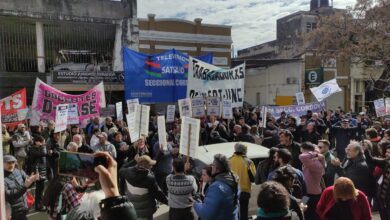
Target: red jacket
x=360, y=207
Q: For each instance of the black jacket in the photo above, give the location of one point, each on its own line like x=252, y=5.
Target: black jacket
x=245, y=138
x=357, y=170
x=37, y=161
x=295, y=150
x=85, y=149
x=142, y=180
x=15, y=191
x=117, y=208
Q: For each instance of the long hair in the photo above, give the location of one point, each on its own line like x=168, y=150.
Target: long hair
x=53, y=192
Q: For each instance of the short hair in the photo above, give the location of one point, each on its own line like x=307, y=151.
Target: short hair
x=387, y=131
x=222, y=163
x=357, y=146
x=285, y=155
x=71, y=145
x=308, y=146
x=273, y=197
x=324, y=141
x=117, y=133
x=272, y=152
x=208, y=169
x=283, y=175
x=178, y=165
x=371, y=133
x=38, y=138
x=245, y=129
x=286, y=133
x=343, y=188
x=384, y=146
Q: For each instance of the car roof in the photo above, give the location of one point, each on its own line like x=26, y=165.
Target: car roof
x=206, y=153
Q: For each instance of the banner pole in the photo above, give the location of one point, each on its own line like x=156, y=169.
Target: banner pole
x=2, y=190
x=139, y=126
x=189, y=143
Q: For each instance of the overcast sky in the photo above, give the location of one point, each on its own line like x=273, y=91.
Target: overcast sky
x=253, y=21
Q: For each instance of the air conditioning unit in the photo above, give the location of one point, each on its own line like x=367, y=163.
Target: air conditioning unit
x=291, y=80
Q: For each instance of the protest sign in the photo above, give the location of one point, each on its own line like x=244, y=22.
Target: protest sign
x=134, y=134
x=131, y=103
x=185, y=108
x=47, y=98
x=296, y=110
x=207, y=80
x=380, y=109
x=138, y=122
x=213, y=106
x=387, y=104
x=198, y=107
x=171, y=109
x=107, y=112
x=61, y=117
x=227, y=110
x=148, y=76
x=162, y=133
x=119, y=111
x=264, y=112
x=300, y=98
x=2, y=189
x=10, y=106
x=73, y=114
x=189, y=136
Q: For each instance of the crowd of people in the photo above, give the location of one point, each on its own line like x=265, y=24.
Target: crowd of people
x=331, y=165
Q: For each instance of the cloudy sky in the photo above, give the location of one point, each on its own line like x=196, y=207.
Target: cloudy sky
x=253, y=21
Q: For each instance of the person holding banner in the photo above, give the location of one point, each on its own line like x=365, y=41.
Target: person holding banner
x=16, y=183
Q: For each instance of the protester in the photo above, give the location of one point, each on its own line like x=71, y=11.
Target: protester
x=94, y=139
x=221, y=198
x=286, y=176
x=180, y=189
x=343, y=201
x=206, y=179
x=37, y=163
x=108, y=124
x=121, y=148
x=89, y=207
x=82, y=147
x=245, y=136
x=310, y=134
x=53, y=151
x=20, y=141
x=313, y=164
x=273, y=202
x=245, y=169
x=287, y=142
x=383, y=192
x=6, y=140
x=47, y=131
x=330, y=169
x=265, y=167
x=72, y=147
x=356, y=168
x=141, y=187
x=16, y=183
x=104, y=145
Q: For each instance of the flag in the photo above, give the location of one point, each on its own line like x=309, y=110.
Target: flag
x=325, y=90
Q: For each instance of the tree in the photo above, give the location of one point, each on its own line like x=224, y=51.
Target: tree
x=360, y=35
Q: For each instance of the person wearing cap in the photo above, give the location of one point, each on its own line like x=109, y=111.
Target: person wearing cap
x=105, y=145
x=343, y=134
x=20, y=141
x=16, y=183
x=141, y=186
x=245, y=169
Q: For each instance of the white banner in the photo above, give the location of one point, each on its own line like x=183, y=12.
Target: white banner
x=264, y=111
x=61, y=117
x=73, y=114
x=227, y=110
x=387, y=104
x=162, y=133
x=185, y=108
x=119, y=111
x=134, y=134
x=326, y=89
x=213, y=106
x=131, y=105
x=198, y=108
x=207, y=80
x=300, y=98
x=189, y=138
x=171, y=109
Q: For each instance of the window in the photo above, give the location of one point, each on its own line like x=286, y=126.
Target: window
x=310, y=26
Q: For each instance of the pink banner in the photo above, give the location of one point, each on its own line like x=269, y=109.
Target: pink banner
x=46, y=98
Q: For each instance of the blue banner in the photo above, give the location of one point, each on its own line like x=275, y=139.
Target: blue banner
x=157, y=78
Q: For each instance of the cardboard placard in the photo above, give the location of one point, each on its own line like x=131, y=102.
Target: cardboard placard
x=189, y=136
x=171, y=109
x=162, y=133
